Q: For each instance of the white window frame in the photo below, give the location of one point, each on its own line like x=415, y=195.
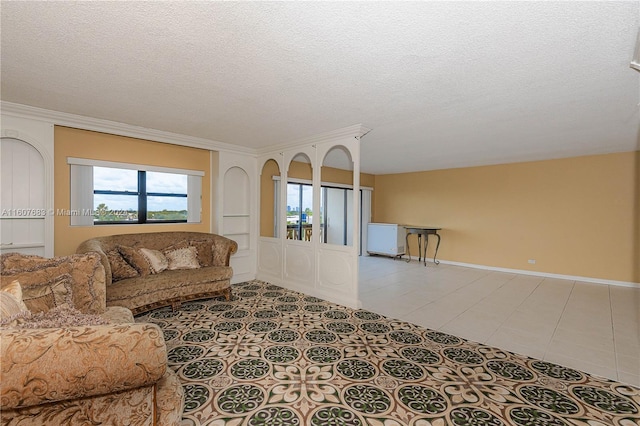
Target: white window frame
x=82, y=187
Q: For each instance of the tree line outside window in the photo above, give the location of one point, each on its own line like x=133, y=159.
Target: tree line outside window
x=122, y=196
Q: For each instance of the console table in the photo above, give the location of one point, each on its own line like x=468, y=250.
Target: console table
x=422, y=231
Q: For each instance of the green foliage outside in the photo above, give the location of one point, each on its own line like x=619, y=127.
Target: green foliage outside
x=167, y=215
x=104, y=214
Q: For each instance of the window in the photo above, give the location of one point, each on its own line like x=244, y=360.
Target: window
x=130, y=196
x=105, y=193
x=335, y=215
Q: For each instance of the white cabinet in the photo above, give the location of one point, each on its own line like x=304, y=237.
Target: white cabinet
x=386, y=238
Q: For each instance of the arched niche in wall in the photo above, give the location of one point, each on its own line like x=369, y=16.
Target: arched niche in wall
x=336, y=197
x=269, y=199
x=23, y=198
x=236, y=210
x=299, y=199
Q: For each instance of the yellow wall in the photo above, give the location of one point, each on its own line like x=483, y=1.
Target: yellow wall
x=333, y=175
x=267, y=197
x=70, y=142
x=575, y=216
x=300, y=170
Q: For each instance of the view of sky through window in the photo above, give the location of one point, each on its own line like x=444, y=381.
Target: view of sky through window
x=293, y=196
x=166, y=182
x=111, y=179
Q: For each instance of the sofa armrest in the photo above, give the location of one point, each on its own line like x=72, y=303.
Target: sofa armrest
x=223, y=248
x=47, y=365
x=94, y=245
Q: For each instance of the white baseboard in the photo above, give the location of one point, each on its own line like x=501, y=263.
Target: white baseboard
x=543, y=274
x=242, y=277
x=513, y=271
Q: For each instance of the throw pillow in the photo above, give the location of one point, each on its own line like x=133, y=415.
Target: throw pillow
x=11, y=302
x=184, y=258
x=19, y=261
x=120, y=269
x=220, y=257
x=176, y=246
x=48, y=295
x=136, y=259
x=205, y=251
x=157, y=261
x=86, y=271
x=62, y=316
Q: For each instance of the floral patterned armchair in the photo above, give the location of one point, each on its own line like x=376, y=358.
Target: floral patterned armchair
x=113, y=371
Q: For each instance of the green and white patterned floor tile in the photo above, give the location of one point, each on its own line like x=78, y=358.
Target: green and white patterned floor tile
x=276, y=357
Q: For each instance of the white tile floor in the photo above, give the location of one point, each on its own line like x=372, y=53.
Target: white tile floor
x=591, y=327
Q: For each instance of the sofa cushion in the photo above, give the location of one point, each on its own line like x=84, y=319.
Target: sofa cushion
x=86, y=271
x=135, y=258
x=205, y=251
x=139, y=292
x=120, y=269
x=156, y=260
x=21, y=262
x=11, y=303
x=54, y=293
x=62, y=316
x=183, y=258
x=118, y=315
x=42, y=366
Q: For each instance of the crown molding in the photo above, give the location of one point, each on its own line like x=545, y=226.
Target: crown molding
x=128, y=130
x=116, y=128
x=356, y=131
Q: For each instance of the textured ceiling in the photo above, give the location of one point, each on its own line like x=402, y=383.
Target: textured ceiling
x=442, y=84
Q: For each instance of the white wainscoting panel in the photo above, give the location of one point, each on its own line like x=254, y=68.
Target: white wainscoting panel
x=270, y=260
x=242, y=265
x=337, y=275
x=299, y=265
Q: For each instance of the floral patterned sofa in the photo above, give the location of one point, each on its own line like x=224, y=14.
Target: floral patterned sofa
x=67, y=358
x=148, y=270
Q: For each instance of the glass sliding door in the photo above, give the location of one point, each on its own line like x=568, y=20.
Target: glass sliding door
x=337, y=215
x=299, y=211
x=349, y=217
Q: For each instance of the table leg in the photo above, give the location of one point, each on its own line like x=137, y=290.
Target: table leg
x=406, y=244
x=437, y=262
x=426, y=244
